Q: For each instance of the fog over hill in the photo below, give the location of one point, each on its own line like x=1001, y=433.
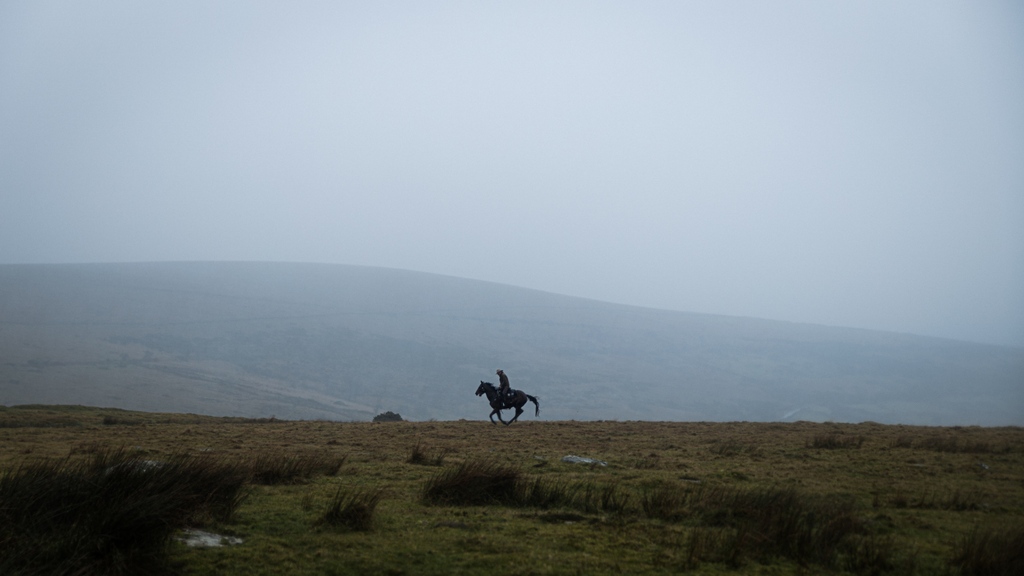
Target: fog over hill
x=314, y=341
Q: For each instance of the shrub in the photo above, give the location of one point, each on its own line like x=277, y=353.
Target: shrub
x=388, y=416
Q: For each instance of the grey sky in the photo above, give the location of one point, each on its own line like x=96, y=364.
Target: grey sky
x=847, y=163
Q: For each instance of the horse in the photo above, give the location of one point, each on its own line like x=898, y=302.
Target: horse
x=498, y=404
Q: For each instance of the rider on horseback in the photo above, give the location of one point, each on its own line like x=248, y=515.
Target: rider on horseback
x=504, y=391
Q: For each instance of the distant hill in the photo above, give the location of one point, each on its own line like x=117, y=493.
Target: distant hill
x=305, y=341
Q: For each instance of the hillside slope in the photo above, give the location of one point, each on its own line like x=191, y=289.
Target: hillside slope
x=342, y=342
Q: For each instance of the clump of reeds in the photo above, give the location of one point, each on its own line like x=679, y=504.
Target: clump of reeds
x=351, y=510
x=111, y=514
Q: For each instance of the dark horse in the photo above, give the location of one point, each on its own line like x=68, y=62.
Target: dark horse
x=499, y=404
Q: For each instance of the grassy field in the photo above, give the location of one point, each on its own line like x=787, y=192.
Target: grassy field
x=468, y=497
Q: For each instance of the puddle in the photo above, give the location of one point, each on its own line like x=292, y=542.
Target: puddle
x=202, y=539
x=572, y=459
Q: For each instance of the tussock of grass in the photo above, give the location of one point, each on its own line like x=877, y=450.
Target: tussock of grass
x=990, y=552
x=112, y=514
x=474, y=483
x=110, y=420
x=273, y=468
x=875, y=554
x=729, y=448
x=836, y=441
x=420, y=456
x=780, y=522
x=957, y=500
x=594, y=498
x=664, y=502
x=481, y=483
x=738, y=525
x=351, y=511
x=550, y=493
x=649, y=462
x=953, y=445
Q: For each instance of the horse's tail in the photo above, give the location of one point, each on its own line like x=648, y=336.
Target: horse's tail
x=536, y=403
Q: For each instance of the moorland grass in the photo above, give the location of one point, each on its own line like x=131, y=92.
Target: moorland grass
x=111, y=514
x=709, y=498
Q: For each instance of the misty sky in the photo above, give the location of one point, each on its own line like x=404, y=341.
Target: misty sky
x=847, y=163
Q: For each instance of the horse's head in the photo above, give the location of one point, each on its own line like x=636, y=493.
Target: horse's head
x=482, y=388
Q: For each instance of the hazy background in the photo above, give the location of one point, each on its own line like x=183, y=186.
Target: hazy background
x=845, y=163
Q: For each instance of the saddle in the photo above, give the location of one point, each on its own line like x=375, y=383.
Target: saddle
x=509, y=396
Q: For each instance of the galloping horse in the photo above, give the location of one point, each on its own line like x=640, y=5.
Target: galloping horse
x=498, y=404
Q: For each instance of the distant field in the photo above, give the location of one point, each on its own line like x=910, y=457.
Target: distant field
x=673, y=496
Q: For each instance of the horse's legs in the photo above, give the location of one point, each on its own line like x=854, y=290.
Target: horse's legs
x=516, y=417
x=497, y=410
